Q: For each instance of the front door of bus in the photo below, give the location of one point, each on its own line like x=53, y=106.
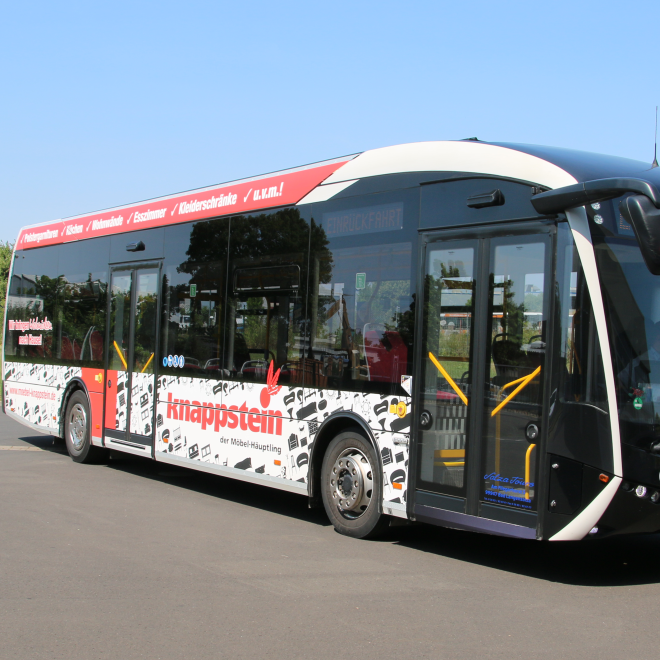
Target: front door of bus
x=484, y=333
x=130, y=385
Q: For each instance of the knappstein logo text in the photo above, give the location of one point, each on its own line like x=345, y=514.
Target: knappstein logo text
x=216, y=416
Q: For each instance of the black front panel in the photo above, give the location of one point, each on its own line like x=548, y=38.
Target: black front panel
x=445, y=204
x=579, y=420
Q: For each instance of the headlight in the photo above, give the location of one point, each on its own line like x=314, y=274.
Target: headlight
x=640, y=491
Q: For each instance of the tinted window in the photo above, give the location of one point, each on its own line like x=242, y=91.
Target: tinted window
x=83, y=301
x=64, y=289
x=579, y=425
x=631, y=295
x=361, y=292
x=32, y=297
x=151, y=238
x=267, y=284
x=193, y=289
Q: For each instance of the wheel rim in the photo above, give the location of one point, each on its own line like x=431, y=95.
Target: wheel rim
x=351, y=483
x=77, y=426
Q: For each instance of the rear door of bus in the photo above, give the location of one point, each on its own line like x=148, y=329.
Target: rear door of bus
x=131, y=354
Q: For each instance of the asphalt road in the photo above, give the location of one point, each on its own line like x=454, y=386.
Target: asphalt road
x=135, y=559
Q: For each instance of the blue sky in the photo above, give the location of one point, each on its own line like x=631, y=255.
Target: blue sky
x=109, y=103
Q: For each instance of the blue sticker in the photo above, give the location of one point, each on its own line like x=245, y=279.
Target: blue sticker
x=169, y=361
x=164, y=361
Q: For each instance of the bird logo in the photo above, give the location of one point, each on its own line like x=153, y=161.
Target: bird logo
x=272, y=388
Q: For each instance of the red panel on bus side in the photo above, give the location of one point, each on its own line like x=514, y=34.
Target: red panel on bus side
x=111, y=399
x=96, y=401
x=93, y=379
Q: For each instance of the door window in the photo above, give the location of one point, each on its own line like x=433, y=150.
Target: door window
x=131, y=352
x=144, y=347
x=120, y=321
x=446, y=360
x=146, y=310
x=484, y=323
x=514, y=370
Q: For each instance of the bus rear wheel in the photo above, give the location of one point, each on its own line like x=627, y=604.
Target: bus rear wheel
x=352, y=487
x=77, y=431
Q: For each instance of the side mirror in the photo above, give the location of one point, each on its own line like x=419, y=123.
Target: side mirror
x=640, y=212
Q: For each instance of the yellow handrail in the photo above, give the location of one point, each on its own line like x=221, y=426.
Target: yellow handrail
x=449, y=379
x=151, y=357
x=523, y=383
x=513, y=382
x=121, y=355
x=448, y=453
x=527, y=462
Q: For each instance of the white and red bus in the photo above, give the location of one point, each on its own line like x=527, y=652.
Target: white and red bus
x=460, y=333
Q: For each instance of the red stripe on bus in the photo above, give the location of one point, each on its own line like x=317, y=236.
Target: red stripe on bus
x=227, y=199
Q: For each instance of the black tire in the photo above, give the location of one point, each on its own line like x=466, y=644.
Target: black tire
x=78, y=431
x=352, y=486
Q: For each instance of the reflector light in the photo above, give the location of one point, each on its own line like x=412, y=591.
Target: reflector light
x=655, y=497
x=397, y=486
x=640, y=491
x=277, y=462
x=594, y=530
x=603, y=477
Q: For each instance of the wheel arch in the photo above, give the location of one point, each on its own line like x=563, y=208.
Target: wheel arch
x=74, y=385
x=331, y=427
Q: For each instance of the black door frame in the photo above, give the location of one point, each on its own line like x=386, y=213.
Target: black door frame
x=483, y=234
x=129, y=438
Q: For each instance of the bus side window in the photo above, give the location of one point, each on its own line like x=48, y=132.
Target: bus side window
x=82, y=302
x=267, y=278
x=32, y=293
x=193, y=286
x=361, y=290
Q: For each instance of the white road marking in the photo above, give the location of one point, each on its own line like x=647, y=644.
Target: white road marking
x=21, y=448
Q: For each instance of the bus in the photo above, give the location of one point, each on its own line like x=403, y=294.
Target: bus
x=459, y=333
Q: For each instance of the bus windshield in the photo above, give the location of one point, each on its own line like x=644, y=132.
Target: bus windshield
x=632, y=307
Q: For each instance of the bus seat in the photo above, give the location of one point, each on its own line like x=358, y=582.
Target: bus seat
x=386, y=353
x=66, y=348
x=96, y=345
x=509, y=360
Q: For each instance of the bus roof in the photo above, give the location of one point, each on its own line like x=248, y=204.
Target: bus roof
x=546, y=166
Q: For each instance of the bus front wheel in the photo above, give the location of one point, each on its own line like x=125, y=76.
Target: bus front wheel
x=352, y=486
x=77, y=430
